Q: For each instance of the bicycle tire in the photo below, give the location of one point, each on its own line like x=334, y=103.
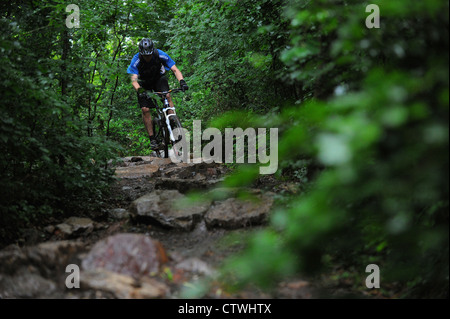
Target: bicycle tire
x=161, y=135
x=176, y=124
x=166, y=141
x=156, y=134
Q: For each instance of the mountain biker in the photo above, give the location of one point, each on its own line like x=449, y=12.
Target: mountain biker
x=147, y=71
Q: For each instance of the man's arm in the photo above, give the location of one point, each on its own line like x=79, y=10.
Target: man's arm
x=177, y=73
x=134, y=81
x=133, y=71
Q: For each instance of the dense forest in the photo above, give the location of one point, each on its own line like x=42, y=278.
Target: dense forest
x=362, y=114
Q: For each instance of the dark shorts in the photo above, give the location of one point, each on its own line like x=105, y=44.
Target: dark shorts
x=162, y=84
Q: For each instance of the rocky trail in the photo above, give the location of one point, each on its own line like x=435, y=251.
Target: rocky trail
x=150, y=241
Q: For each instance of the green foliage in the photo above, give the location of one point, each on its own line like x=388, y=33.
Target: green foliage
x=229, y=52
x=263, y=247
x=380, y=128
x=68, y=101
x=48, y=165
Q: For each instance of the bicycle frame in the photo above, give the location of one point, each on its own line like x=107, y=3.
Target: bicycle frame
x=164, y=111
x=167, y=115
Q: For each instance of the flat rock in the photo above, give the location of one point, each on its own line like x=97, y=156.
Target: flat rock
x=236, y=213
x=196, y=266
x=129, y=254
x=197, y=171
x=118, y=213
x=169, y=208
x=123, y=286
x=80, y=224
x=49, y=229
x=184, y=185
x=76, y=225
x=25, y=284
x=136, y=171
x=131, y=159
x=142, y=166
x=222, y=193
x=160, y=161
x=65, y=229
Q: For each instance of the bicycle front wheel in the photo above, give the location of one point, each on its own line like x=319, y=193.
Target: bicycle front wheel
x=178, y=134
x=161, y=135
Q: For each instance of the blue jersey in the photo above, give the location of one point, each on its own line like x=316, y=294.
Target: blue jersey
x=165, y=59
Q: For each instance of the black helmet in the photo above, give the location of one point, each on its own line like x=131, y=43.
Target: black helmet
x=146, y=46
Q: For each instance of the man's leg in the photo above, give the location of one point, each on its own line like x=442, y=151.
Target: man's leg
x=147, y=118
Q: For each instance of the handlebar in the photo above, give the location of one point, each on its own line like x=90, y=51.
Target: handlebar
x=164, y=93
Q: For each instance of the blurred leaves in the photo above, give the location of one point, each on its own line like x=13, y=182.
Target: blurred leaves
x=383, y=140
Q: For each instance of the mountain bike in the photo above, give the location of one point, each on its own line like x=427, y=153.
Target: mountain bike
x=167, y=128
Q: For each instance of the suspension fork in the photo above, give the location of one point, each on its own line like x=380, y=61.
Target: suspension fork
x=165, y=110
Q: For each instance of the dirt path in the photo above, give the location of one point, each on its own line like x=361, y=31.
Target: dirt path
x=144, y=243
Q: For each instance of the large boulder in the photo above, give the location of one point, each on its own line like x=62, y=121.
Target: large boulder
x=169, y=208
x=236, y=213
x=134, y=255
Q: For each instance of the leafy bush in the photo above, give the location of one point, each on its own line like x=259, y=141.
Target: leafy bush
x=47, y=163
